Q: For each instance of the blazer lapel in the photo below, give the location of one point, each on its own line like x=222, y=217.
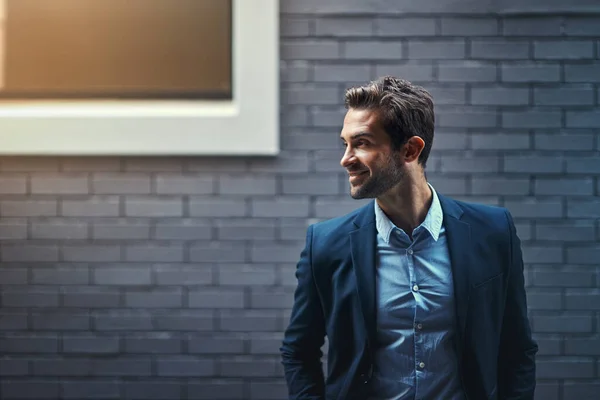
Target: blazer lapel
x=363, y=242
x=458, y=234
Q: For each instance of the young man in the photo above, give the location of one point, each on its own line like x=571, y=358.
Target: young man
x=420, y=296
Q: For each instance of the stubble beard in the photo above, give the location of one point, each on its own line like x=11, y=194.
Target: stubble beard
x=379, y=183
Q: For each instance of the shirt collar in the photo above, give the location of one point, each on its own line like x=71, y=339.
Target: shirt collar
x=432, y=223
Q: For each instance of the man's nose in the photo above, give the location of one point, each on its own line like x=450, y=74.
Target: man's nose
x=347, y=158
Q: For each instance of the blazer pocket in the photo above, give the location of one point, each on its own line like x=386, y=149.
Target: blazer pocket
x=488, y=281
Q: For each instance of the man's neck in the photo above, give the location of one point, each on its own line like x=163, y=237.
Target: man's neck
x=407, y=204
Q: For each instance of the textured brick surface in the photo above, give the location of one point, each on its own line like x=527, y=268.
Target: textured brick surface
x=172, y=278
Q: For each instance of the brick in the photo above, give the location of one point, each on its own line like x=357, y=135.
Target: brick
x=295, y=26
x=563, y=141
x=90, y=344
x=250, y=320
x=544, y=299
x=89, y=164
x=185, y=320
x=405, y=27
x=53, y=184
x=183, y=274
x=535, y=208
x=30, y=296
x=29, y=164
x=315, y=184
x=372, y=50
x=61, y=367
x=183, y=230
x=13, y=184
x=294, y=71
x=564, y=277
x=564, y=95
x=294, y=116
x=97, y=206
x=292, y=229
x=582, y=346
x=448, y=140
x=584, y=73
x=246, y=274
x=578, y=26
x=477, y=164
x=583, y=208
x=323, y=94
x=154, y=298
x=59, y=229
x=466, y=71
x=152, y=390
x=448, y=49
x=527, y=26
x=182, y=366
x=153, y=343
x=117, y=275
x=282, y=252
x=525, y=72
x=28, y=208
x=88, y=389
x=16, y=275
x=189, y=184
x=309, y=49
x=542, y=254
x=222, y=344
x=565, y=367
x=500, y=141
x=153, y=207
x=122, y=366
x=29, y=343
x=153, y=164
x=328, y=207
x=500, y=186
x=90, y=297
x=531, y=119
x=155, y=252
x=292, y=206
x=341, y=72
x=13, y=229
x=265, y=343
x=565, y=231
x=466, y=118
x=533, y=164
x=563, y=50
x=581, y=390
x=221, y=252
x=414, y=71
x=214, y=298
x=120, y=229
x=284, y=162
x=266, y=298
x=582, y=119
x=14, y=367
x=121, y=183
x=34, y=389
x=91, y=253
x=343, y=27
x=569, y=323
x=246, y=229
x=227, y=389
x=547, y=391
x=450, y=186
x=582, y=299
x=220, y=206
x=583, y=255
x=499, y=96
x=268, y=390
x=570, y=187
x=583, y=165
x=60, y=320
x=315, y=139
x=13, y=321
x=549, y=345
x=448, y=95
x=250, y=367
x=499, y=49
x=214, y=164
x=122, y=320
x=469, y=26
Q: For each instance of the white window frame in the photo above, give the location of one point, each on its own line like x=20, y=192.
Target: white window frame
x=248, y=124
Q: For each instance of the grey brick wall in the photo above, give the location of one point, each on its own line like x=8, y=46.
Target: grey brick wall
x=172, y=278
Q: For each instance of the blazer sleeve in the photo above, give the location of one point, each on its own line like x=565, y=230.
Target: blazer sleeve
x=516, y=363
x=301, y=350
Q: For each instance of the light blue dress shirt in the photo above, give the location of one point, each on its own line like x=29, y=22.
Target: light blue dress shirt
x=415, y=357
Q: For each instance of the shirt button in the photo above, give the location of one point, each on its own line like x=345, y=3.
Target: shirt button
x=421, y=364
x=419, y=326
x=410, y=251
x=416, y=288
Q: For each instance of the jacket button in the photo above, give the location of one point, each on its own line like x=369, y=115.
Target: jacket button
x=364, y=378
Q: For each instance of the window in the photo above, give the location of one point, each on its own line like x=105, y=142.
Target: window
x=139, y=77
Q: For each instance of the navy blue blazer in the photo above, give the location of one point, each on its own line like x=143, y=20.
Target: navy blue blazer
x=335, y=296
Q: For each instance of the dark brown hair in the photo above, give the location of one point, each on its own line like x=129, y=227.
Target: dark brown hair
x=406, y=110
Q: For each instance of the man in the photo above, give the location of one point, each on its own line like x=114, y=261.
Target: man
x=420, y=296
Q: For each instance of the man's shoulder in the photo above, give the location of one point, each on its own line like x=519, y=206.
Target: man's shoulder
x=487, y=215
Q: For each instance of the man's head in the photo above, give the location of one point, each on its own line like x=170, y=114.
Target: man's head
x=388, y=132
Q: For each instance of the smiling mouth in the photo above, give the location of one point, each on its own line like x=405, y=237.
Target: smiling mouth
x=355, y=175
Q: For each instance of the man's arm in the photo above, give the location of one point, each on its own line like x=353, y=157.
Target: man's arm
x=516, y=363
x=304, y=337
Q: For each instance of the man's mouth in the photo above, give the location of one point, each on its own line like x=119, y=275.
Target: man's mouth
x=354, y=175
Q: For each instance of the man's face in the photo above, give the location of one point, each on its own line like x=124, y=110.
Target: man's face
x=373, y=167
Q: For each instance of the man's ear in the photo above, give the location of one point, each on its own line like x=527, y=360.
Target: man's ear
x=413, y=148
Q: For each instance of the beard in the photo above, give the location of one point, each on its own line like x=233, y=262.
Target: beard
x=380, y=181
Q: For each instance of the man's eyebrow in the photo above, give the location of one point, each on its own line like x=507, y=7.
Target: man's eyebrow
x=360, y=134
